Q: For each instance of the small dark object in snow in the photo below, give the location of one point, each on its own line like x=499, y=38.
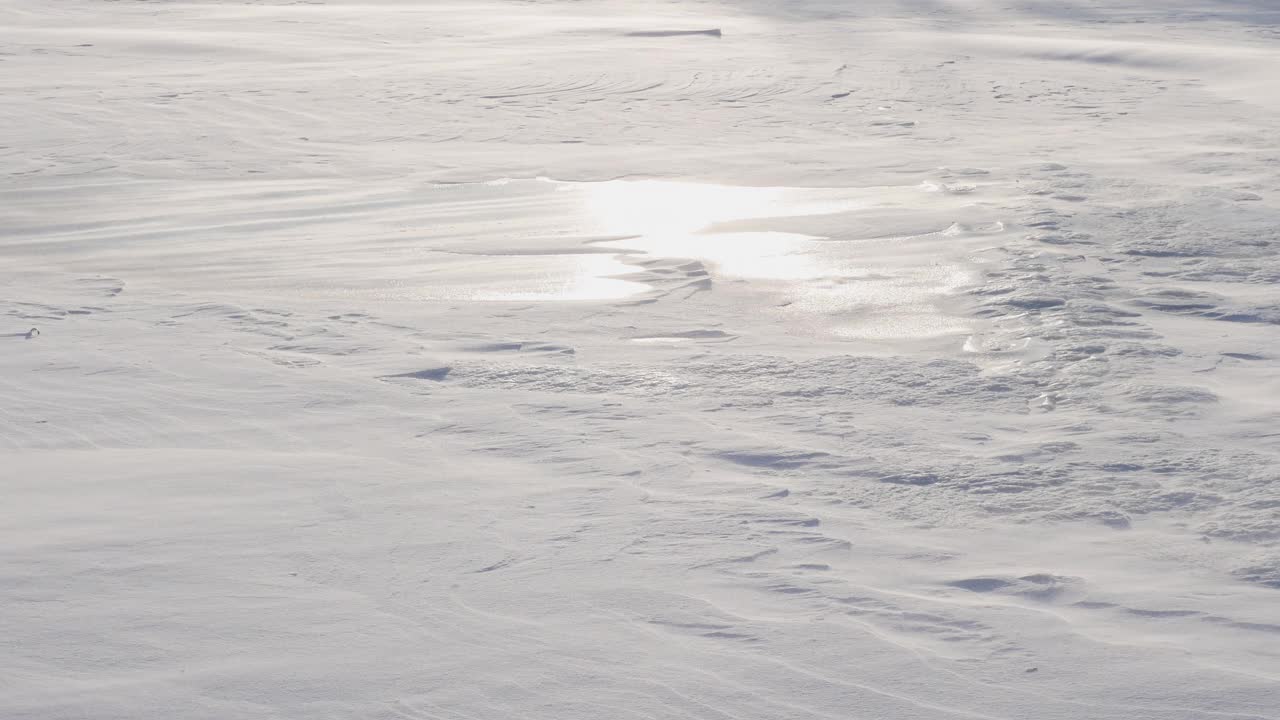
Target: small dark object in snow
x=713, y=32
x=1034, y=669
x=33, y=332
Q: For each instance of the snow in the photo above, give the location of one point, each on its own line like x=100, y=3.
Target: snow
x=648, y=359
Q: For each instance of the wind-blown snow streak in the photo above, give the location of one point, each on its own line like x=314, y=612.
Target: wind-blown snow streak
x=744, y=359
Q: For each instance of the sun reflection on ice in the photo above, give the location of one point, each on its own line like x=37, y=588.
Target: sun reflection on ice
x=883, y=287
x=679, y=219
x=656, y=207
x=550, y=241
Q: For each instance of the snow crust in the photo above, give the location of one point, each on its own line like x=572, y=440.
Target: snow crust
x=649, y=359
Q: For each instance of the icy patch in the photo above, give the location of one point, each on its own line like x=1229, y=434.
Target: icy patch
x=865, y=262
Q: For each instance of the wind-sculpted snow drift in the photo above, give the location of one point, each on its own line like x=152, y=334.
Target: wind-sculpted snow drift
x=657, y=359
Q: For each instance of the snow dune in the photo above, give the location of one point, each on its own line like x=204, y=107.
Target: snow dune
x=743, y=359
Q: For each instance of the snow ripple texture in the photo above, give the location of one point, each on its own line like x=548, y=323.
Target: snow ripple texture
x=340, y=380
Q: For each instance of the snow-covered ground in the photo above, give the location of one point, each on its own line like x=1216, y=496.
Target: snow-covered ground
x=643, y=359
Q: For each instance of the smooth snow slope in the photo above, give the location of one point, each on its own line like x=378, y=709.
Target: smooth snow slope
x=567, y=359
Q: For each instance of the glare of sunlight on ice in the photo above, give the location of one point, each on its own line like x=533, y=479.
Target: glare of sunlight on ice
x=867, y=287
x=671, y=219
x=650, y=207
x=755, y=255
